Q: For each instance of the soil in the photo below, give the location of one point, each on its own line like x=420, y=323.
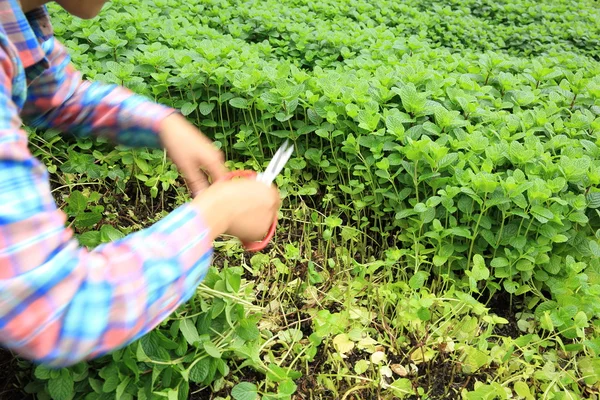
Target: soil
x=10, y=387
x=500, y=305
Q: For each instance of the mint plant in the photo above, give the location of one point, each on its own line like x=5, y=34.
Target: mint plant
x=439, y=236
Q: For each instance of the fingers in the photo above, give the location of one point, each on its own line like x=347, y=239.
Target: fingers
x=196, y=180
x=215, y=166
x=212, y=161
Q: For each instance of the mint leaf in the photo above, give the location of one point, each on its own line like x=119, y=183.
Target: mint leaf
x=238, y=102
x=510, y=286
x=480, y=271
x=190, y=333
x=77, y=203
x=122, y=387
x=199, y=371
x=41, y=372
x=244, y=391
x=287, y=387
x=393, y=123
x=87, y=219
x=206, y=108
x=233, y=281
x=212, y=350
x=593, y=199
x=542, y=214
x=89, y=239
x=499, y=262
x=418, y=280
x=110, y=384
x=61, y=388
x=109, y=234
x=247, y=329
x=188, y=108
x=150, y=345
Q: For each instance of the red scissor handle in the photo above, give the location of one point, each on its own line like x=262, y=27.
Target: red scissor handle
x=252, y=246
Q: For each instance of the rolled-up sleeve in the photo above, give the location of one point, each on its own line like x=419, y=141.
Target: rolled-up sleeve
x=61, y=100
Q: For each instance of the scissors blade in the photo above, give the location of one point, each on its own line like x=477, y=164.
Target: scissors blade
x=277, y=163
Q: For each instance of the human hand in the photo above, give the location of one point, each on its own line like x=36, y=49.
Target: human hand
x=191, y=150
x=244, y=208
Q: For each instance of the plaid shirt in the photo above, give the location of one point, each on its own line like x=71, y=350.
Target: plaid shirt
x=59, y=302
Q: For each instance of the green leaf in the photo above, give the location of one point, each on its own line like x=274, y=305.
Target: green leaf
x=41, y=372
x=109, y=234
x=593, y=345
x=244, y=391
x=499, y=262
x=110, y=384
x=143, y=165
x=211, y=349
x=479, y=271
x=510, y=286
x=403, y=386
x=87, y=219
x=199, y=371
x=122, y=387
x=61, y=388
x=405, y=213
x=190, y=333
x=151, y=347
x=173, y=394
x=424, y=314
x=394, y=124
x=89, y=239
x=247, y=329
x=238, y=102
x=77, y=203
x=475, y=358
x=420, y=207
x=206, y=108
x=184, y=391
x=460, y=231
x=594, y=248
x=542, y=214
x=188, y=108
x=418, y=280
x=579, y=217
x=413, y=101
x=559, y=238
x=361, y=366
x=233, y=280
x=279, y=374
x=287, y=387
x=593, y=199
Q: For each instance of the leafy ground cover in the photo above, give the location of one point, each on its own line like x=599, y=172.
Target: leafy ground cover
x=440, y=228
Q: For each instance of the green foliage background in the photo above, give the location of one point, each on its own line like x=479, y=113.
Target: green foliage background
x=446, y=154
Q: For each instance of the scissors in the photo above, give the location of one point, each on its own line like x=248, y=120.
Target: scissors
x=273, y=169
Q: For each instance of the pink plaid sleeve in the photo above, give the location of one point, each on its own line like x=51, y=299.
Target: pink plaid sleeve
x=59, y=302
x=60, y=99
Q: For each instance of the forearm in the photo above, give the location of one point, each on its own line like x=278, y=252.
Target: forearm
x=59, y=99
x=68, y=304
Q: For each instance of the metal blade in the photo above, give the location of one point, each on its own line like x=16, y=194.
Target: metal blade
x=277, y=163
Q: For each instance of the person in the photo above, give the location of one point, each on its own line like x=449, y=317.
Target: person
x=61, y=303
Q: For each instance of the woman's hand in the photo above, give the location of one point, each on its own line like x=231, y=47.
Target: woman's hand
x=191, y=151
x=244, y=208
